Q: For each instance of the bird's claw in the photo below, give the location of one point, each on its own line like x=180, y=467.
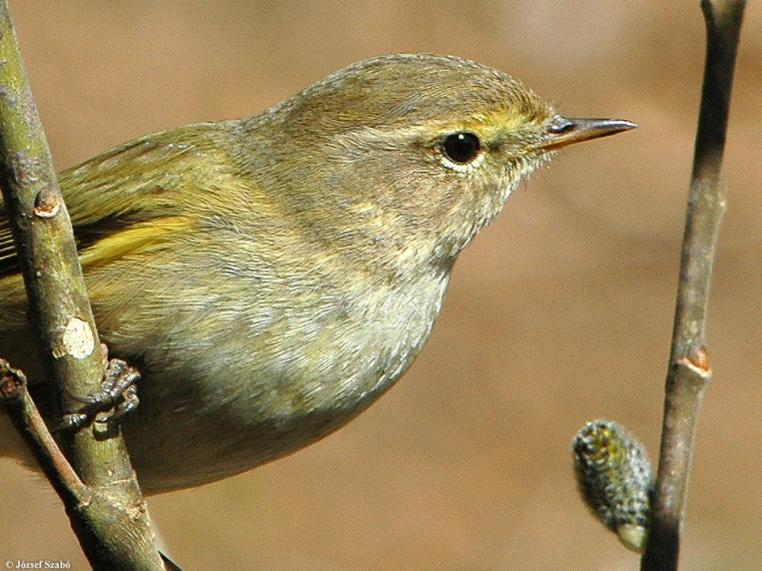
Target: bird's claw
x=118, y=392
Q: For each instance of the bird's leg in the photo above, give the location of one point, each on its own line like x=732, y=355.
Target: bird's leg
x=118, y=392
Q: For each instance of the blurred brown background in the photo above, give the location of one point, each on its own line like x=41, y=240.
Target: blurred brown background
x=559, y=313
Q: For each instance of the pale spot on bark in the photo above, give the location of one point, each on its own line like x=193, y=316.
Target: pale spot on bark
x=77, y=340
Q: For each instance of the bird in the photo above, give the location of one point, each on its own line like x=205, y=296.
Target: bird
x=272, y=276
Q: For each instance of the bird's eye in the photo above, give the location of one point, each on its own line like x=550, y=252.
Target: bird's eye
x=461, y=148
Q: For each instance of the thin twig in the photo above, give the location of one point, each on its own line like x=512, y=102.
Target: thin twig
x=30, y=424
x=689, y=370
x=113, y=526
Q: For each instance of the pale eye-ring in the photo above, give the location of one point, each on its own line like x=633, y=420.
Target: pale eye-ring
x=461, y=148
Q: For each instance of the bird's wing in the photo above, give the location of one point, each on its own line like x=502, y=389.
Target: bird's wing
x=123, y=198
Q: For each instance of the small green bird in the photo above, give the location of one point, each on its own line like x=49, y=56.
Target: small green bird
x=272, y=276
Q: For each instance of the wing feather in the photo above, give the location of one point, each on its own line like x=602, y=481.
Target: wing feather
x=124, y=189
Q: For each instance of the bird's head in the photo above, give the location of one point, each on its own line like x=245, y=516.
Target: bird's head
x=416, y=153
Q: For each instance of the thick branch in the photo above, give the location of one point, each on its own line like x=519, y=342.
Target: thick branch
x=689, y=370
x=113, y=526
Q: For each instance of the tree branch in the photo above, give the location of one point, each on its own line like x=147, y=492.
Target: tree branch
x=689, y=371
x=30, y=424
x=111, y=520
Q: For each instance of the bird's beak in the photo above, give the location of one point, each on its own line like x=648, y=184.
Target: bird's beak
x=562, y=131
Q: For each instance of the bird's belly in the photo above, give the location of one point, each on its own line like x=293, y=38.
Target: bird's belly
x=201, y=441
x=253, y=400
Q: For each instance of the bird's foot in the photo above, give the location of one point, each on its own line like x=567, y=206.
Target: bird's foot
x=118, y=393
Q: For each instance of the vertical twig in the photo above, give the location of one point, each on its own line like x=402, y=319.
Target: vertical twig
x=112, y=520
x=689, y=370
